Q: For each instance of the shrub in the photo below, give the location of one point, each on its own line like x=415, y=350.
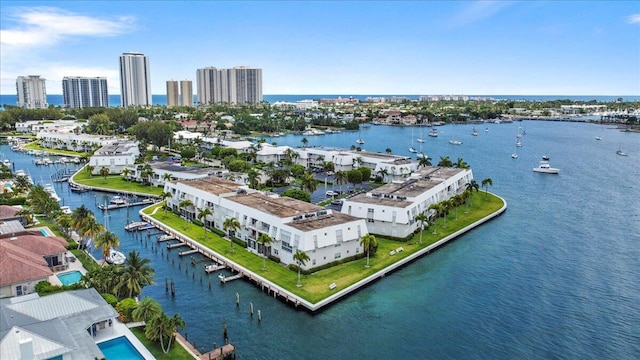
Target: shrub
x=197, y=222
x=110, y=299
x=125, y=307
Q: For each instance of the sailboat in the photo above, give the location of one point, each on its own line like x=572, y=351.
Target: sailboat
x=515, y=153
x=433, y=132
x=421, y=138
x=453, y=141
x=518, y=143
x=411, y=148
x=475, y=132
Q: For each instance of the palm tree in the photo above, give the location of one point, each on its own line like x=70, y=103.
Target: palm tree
x=368, y=241
x=341, y=178
x=471, y=186
x=383, y=172
x=125, y=173
x=485, y=184
x=106, y=240
x=254, y=178
x=461, y=164
x=166, y=177
x=301, y=258
x=137, y=273
x=422, y=218
x=89, y=169
x=147, y=309
x=304, y=142
x=445, y=161
x=424, y=161
x=231, y=225
x=162, y=328
x=308, y=183
x=264, y=240
x=202, y=216
x=91, y=228
x=388, y=150
x=438, y=208
x=164, y=196
x=104, y=172
x=184, y=204
x=446, y=206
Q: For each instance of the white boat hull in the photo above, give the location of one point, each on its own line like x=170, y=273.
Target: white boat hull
x=546, y=170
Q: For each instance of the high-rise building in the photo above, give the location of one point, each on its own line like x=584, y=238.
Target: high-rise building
x=186, y=92
x=135, y=81
x=80, y=92
x=172, y=93
x=32, y=92
x=240, y=85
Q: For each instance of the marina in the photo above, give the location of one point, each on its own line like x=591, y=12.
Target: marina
x=513, y=245
x=118, y=202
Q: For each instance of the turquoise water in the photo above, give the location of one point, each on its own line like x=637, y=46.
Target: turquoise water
x=70, y=277
x=119, y=349
x=44, y=232
x=556, y=276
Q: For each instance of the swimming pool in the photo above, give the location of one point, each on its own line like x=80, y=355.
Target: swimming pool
x=119, y=349
x=70, y=277
x=44, y=232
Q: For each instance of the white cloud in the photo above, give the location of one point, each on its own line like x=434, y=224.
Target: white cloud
x=633, y=19
x=29, y=35
x=39, y=26
x=478, y=11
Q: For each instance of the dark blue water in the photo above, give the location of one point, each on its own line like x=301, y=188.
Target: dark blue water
x=115, y=101
x=556, y=276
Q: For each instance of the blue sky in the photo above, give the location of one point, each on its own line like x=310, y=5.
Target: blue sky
x=332, y=47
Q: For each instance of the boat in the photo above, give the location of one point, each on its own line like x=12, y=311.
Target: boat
x=545, y=168
x=515, y=153
x=486, y=130
x=455, y=142
x=77, y=188
x=49, y=188
x=331, y=193
x=598, y=138
x=518, y=143
x=115, y=257
x=475, y=132
x=621, y=153
x=360, y=141
x=65, y=209
x=433, y=132
x=412, y=149
x=118, y=202
x=421, y=138
x=135, y=225
x=545, y=158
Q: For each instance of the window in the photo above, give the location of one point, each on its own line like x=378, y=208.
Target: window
x=287, y=247
x=20, y=290
x=337, y=256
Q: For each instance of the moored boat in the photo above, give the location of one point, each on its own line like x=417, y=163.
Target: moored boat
x=545, y=168
x=115, y=257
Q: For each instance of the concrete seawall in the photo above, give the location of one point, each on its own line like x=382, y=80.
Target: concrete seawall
x=288, y=296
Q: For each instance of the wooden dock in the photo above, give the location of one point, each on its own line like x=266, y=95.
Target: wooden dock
x=226, y=279
x=226, y=351
x=176, y=245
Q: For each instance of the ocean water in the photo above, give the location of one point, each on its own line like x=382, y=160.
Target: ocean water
x=556, y=276
x=114, y=100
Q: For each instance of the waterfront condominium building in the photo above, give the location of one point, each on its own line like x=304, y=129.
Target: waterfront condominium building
x=80, y=92
x=135, y=81
x=32, y=92
x=240, y=85
x=186, y=92
x=172, y=93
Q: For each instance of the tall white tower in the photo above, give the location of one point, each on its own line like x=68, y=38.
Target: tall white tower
x=135, y=81
x=80, y=92
x=32, y=92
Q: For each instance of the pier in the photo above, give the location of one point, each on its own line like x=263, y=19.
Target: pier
x=176, y=245
x=125, y=204
x=288, y=297
x=164, y=238
x=213, y=268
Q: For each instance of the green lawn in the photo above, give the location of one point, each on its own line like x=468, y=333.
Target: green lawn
x=34, y=146
x=115, y=182
x=177, y=352
x=315, y=286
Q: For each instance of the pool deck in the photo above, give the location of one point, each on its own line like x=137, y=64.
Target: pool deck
x=119, y=329
x=76, y=265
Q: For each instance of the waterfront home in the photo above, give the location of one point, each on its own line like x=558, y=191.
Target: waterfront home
x=57, y=326
x=9, y=213
x=27, y=258
x=70, y=140
x=36, y=126
x=345, y=160
x=174, y=171
x=115, y=156
x=391, y=209
x=325, y=235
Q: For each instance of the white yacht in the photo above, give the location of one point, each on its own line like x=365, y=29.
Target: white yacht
x=455, y=142
x=115, y=257
x=545, y=168
x=621, y=153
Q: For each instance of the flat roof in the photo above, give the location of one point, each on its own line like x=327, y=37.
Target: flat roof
x=212, y=185
x=176, y=168
x=279, y=206
x=318, y=222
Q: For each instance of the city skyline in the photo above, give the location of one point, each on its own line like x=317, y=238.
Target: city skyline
x=473, y=48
